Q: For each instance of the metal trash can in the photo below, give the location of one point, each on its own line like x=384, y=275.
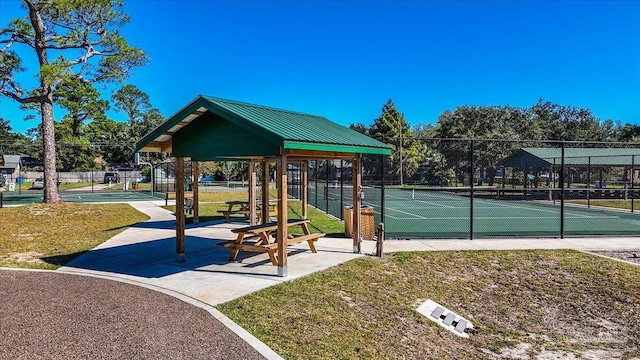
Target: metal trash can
x=367, y=222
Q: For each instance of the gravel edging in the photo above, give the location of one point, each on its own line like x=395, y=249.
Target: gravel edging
x=630, y=256
x=55, y=315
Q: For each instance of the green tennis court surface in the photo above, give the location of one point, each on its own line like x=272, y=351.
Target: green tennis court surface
x=13, y=198
x=446, y=213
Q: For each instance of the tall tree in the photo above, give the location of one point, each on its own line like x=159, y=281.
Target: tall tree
x=141, y=116
x=84, y=36
x=11, y=142
x=569, y=123
x=112, y=139
x=491, y=123
x=82, y=101
x=133, y=102
x=392, y=128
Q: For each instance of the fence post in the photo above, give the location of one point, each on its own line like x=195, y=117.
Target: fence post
x=471, y=175
x=341, y=190
x=633, y=170
x=382, y=205
x=562, y=191
x=326, y=188
x=589, y=182
x=380, y=239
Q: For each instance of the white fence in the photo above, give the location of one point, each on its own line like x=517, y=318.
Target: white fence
x=82, y=176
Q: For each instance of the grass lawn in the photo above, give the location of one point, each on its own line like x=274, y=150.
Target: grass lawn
x=524, y=304
x=211, y=202
x=617, y=204
x=45, y=236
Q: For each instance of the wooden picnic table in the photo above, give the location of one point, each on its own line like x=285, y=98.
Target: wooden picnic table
x=235, y=207
x=242, y=207
x=257, y=238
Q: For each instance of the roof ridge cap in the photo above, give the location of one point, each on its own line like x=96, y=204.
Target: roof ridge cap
x=212, y=98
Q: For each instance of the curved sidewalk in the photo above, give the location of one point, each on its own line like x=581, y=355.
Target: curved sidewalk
x=145, y=255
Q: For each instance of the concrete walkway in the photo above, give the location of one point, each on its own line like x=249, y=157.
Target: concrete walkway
x=145, y=255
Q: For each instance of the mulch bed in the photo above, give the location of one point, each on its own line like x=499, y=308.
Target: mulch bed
x=47, y=315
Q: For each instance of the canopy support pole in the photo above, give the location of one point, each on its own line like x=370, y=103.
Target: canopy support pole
x=252, y=193
x=357, y=189
x=265, y=192
x=281, y=184
x=196, y=192
x=180, y=220
x=304, y=181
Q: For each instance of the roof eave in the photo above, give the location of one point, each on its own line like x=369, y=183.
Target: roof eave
x=355, y=149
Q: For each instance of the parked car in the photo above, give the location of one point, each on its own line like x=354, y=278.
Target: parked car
x=207, y=180
x=111, y=177
x=38, y=184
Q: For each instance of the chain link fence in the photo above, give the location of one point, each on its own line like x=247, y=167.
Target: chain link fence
x=445, y=188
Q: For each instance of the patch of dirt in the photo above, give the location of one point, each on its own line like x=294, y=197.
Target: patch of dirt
x=631, y=255
x=39, y=210
x=31, y=257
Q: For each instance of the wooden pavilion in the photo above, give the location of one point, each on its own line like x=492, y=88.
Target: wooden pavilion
x=213, y=129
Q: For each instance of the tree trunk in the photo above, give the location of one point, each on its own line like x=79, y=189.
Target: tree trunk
x=51, y=195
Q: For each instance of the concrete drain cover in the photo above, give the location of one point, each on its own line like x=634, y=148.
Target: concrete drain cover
x=445, y=318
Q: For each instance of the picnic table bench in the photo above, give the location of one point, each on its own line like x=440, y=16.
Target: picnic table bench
x=260, y=234
x=242, y=207
x=235, y=207
x=188, y=200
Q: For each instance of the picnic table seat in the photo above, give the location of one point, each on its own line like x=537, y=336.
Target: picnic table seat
x=262, y=233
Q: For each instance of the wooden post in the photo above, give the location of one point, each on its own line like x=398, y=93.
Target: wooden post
x=304, y=195
x=196, y=194
x=357, y=187
x=180, y=209
x=252, y=192
x=281, y=174
x=265, y=191
x=379, y=239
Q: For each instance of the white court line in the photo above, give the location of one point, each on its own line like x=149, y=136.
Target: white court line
x=417, y=217
x=441, y=205
x=503, y=218
x=540, y=210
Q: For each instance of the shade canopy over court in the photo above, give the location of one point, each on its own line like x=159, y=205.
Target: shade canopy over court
x=582, y=157
x=211, y=128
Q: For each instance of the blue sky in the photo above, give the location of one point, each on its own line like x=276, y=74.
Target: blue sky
x=344, y=59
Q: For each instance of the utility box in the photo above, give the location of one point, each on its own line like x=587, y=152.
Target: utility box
x=367, y=222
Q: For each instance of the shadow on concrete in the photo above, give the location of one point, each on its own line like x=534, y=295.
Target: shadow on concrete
x=157, y=258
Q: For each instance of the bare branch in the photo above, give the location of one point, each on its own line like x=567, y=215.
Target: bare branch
x=8, y=42
x=21, y=100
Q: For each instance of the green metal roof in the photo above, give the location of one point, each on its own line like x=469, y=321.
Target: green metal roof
x=545, y=157
x=231, y=128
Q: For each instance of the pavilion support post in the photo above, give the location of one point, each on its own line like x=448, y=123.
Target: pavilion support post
x=196, y=193
x=357, y=188
x=281, y=174
x=180, y=220
x=252, y=193
x=265, y=192
x=304, y=181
